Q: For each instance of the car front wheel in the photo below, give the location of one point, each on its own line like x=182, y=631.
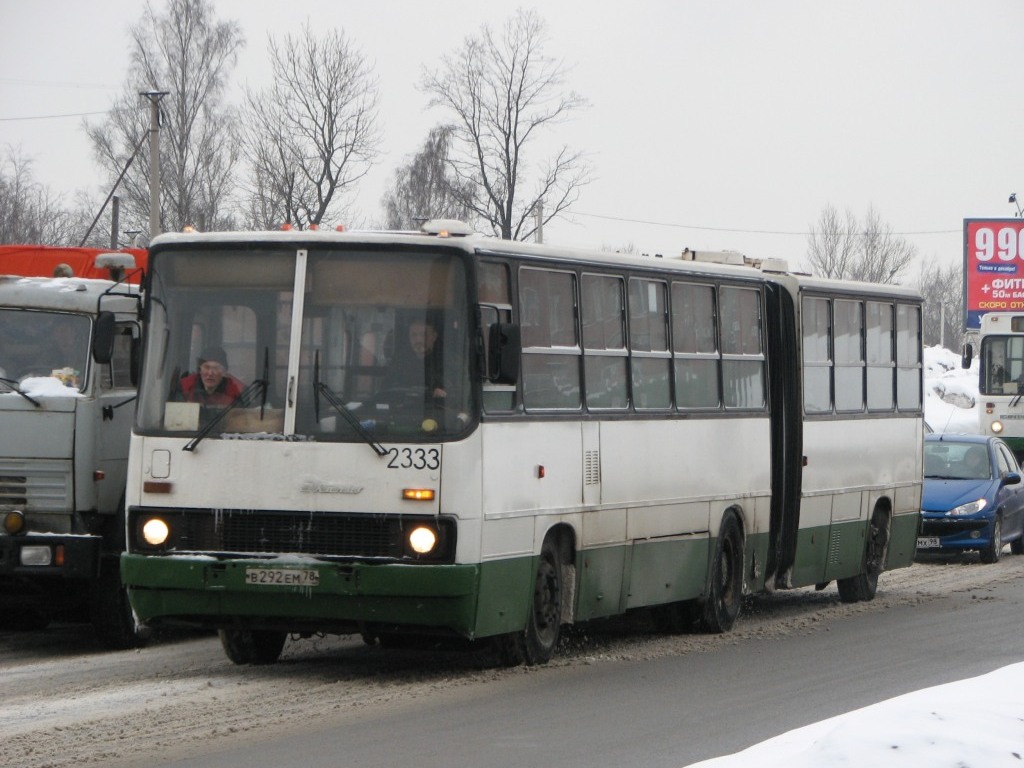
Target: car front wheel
x=990, y=554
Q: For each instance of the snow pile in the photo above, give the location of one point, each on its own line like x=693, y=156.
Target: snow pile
x=41, y=386
x=975, y=722
x=950, y=392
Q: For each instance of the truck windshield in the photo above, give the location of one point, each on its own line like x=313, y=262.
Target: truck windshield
x=380, y=352
x=35, y=343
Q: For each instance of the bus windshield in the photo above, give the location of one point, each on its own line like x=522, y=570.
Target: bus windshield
x=374, y=349
x=1004, y=365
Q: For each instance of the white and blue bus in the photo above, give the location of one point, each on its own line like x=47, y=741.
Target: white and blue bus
x=444, y=433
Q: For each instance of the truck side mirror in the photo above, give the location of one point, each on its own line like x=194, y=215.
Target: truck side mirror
x=968, y=358
x=503, y=352
x=103, y=338
x=135, y=363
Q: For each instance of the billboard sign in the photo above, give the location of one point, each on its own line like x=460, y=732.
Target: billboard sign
x=993, y=267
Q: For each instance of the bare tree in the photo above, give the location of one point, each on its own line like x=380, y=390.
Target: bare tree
x=847, y=249
x=501, y=92
x=189, y=54
x=29, y=211
x=943, y=291
x=313, y=134
x=424, y=188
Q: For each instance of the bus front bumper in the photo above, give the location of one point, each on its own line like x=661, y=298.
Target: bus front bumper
x=302, y=596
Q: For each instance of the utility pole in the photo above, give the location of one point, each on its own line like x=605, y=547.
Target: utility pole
x=154, y=159
x=115, y=224
x=540, y=220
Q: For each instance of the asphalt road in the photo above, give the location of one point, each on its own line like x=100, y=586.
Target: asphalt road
x=616, y=694
x=671, y=711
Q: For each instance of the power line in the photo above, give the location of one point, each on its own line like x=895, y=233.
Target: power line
x=53, y=84
x=55, y=117
x=741, y=231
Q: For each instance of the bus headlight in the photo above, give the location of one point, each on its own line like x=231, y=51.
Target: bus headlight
x=155, y=532
x=997, y=427
x=422, y=540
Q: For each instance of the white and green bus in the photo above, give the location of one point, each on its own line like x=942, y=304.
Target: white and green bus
x=1000, y=347
x=444, y=433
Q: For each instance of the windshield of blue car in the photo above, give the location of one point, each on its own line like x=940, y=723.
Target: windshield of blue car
x=957, y=461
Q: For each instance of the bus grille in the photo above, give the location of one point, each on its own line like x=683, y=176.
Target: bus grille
x=308, y=533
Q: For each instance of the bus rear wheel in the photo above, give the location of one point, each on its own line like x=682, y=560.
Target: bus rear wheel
x=537, y=642
x=863, y=586
x=725, y=590
x=252, y=646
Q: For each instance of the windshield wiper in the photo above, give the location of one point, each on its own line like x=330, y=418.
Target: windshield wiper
x=319, y=388
x=242, y=398
x=15, y=387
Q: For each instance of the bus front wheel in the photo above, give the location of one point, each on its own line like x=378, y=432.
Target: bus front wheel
x=725, y=590
x=536, y=643
x=252, y=646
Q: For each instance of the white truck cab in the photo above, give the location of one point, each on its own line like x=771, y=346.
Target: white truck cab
x=67, y=352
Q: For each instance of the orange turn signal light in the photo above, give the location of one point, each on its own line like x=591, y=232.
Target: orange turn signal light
x=418, y=494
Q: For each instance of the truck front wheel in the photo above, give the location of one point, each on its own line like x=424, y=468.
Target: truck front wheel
x=113, y=619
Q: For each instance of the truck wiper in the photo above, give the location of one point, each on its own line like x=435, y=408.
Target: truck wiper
x=319, y=388
x=244, y=397
x=15, y=387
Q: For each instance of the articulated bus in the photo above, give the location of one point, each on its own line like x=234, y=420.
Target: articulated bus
x=1001, y=377
x=440, y=433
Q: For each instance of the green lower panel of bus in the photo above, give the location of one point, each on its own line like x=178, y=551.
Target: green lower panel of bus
x=836, y=551
x=465, y=600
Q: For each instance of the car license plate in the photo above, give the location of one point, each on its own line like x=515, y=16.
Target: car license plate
x=284, y=577
x=928, y=542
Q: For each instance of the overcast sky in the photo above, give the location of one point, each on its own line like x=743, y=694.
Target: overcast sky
x=712, y=125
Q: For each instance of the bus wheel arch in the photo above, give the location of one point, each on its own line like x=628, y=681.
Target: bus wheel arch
x=725, y=583
x=864, y=585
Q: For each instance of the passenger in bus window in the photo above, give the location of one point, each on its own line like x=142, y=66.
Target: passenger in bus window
x=212, y=385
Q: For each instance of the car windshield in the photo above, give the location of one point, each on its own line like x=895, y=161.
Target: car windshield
x=37, y=343
x=957, y=461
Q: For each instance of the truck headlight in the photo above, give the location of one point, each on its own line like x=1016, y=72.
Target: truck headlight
x=14, y=521
x=36, y=555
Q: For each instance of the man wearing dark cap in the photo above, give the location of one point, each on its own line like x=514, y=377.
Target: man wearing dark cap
x=212, y=385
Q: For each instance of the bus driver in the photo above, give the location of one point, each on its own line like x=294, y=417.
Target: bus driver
x=212, y=385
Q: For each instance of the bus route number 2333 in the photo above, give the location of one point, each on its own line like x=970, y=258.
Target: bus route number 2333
x=414, y=458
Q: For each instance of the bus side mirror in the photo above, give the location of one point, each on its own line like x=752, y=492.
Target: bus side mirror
x=503, y=351
x=103, y=338
x=968, y=358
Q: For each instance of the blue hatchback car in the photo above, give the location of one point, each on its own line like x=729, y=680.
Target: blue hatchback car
x=972, y=499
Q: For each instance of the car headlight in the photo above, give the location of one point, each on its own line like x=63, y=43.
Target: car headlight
x=969, y=508
x=997, y=427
